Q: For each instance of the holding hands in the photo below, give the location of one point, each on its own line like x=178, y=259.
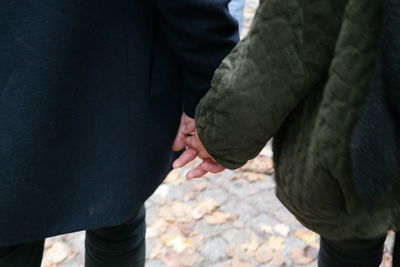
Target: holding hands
x=187, y=137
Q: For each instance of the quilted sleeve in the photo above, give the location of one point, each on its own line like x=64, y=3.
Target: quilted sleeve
x=287, y=52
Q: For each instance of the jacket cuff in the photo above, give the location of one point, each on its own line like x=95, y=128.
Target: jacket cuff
x=203, y=130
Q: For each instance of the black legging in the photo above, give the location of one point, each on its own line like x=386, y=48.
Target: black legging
x=351, y=253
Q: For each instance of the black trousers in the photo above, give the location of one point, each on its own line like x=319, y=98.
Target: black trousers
x=351, y=253
x=122, y=246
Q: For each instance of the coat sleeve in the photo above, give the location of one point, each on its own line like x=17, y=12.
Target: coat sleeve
x=201, y=33
x=287, y=52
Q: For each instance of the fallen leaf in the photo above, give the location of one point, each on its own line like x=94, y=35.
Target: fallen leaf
x=235, y=262
x=158, y=251
x=251, y=247
x=198, y=186
x=299, y=256
x=156, y=228
x=186, y=258
x=204, y=207
x=189, y=196
x=253, y=176
x=49, y=242
x=264, y=254
x=261, y=164
x=220, y=217
x=264, y=228
x=161, y=192
x=276, y=242
x=278, y=258
x=197, y=240
x=176, y=212
x=187, y=229
x=235, y=251
x=231, y=251
x=179, y=243
x=282, y=229
x=175, y=177
x=252, y=191
x=309, y=237
x=57, y=253
x=244, y=251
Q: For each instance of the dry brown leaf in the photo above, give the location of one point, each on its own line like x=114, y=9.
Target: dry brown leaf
x=252, y=191
x=158, y=251
x=179, y=243
x=309, y=237
x=57, y=253
x=204, y=207
x=186, y=258
x=198, y=186
x=187, y=229
x=276, y=242
x=250, y=176
x=220, y=217
x=175, y=177
x=236, y=251
x=261, y=164
x=189, y=196
x=231, y=251
x=176, y=212
x=156, y=228
x=300, y=257
x=197, y=241
x=264, y=254
x=264, y=228
x=251, y=247
x=49, y=242
x=235, y=262
x=278, y=258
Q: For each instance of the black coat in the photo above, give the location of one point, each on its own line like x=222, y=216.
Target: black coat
x=91, y=93
x=375, y=142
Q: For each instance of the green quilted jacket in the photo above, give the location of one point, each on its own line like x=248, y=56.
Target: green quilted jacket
x=301, y=76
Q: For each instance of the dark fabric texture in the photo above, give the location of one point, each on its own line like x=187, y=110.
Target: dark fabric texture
x=375, y=147
x=91, y=94
x=390, y=45
x=123, y=246
x=23, y=255
x=302, y=76
x=351, y=253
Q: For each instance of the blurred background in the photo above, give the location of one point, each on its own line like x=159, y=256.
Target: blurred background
x=225, y=220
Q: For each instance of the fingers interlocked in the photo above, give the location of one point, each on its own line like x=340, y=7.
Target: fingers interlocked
x=187, y=136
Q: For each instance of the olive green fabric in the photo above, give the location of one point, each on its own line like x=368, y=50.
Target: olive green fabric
x=301, y=76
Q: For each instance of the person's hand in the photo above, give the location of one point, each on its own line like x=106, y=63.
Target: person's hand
x=188, y=137
x=196, y=148
x=186, y=128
